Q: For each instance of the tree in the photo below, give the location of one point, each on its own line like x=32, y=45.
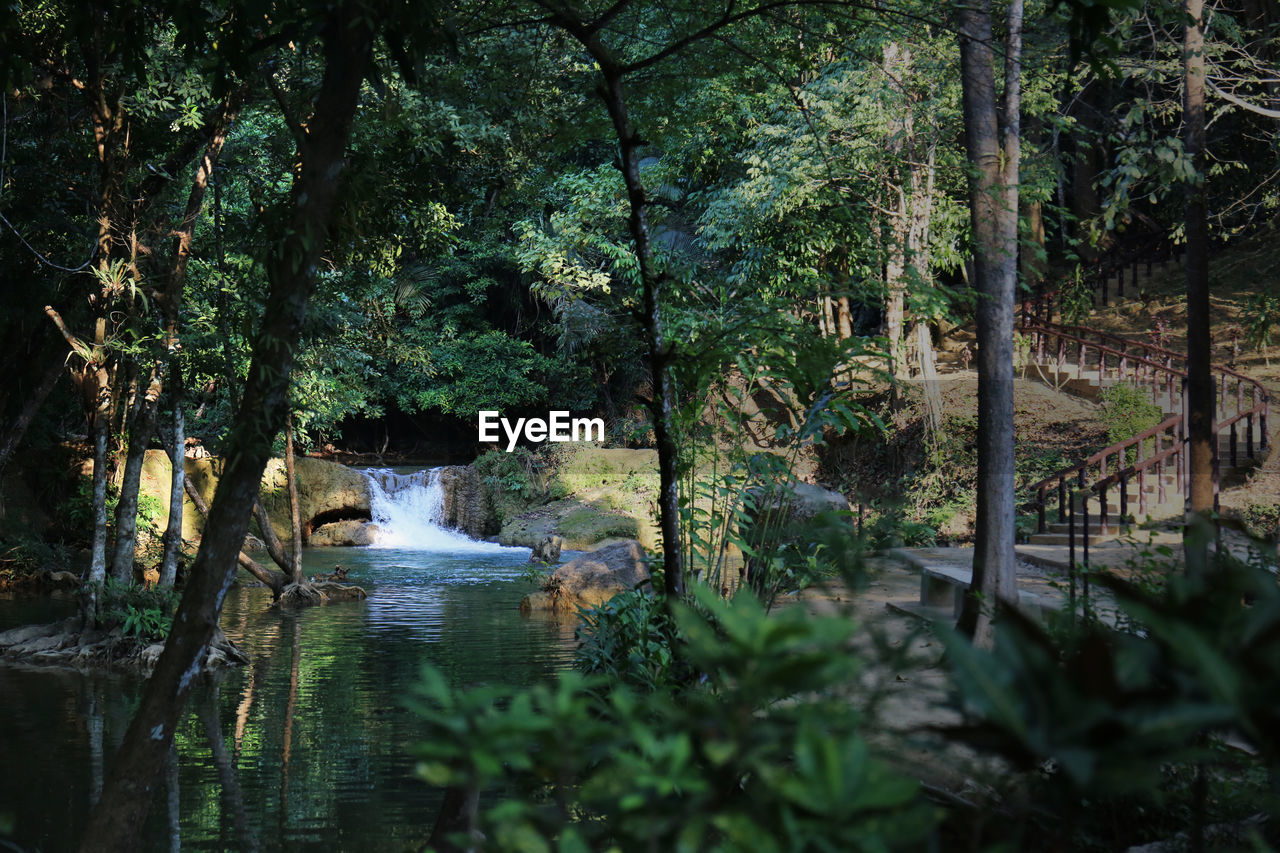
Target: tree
x=992, y=140
x=1199, y=392
x=345, y=37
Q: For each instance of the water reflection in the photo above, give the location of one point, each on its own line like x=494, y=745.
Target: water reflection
x=305, y=748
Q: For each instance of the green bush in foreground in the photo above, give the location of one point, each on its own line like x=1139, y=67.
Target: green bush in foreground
x=763, y=754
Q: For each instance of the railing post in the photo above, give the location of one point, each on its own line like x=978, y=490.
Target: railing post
x=1102, y=510
x=1262, y=432
x=1040, y=525
x=1216, y=461
x=1123, y=517
x=1062, y=499
x=1071, y=552
x=1085, y=577
x=1233, y=444
x=1248, y=435
x=1142, y=481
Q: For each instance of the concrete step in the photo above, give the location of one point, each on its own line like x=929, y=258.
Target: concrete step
x=1065, y=539
x=1113, y=521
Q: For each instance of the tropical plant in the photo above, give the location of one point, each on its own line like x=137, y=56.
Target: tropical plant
x=763, y=753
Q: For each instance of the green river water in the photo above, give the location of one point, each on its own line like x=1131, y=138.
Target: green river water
x=310, y=747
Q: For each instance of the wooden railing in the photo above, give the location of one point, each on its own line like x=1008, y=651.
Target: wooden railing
x=1163, y=372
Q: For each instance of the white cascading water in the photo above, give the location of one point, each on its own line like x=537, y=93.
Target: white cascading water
x=409, y=512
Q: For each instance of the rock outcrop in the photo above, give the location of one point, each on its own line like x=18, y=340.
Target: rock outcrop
x=65, y=644
x=466, y=504
x=592, y=579
x=327, y=492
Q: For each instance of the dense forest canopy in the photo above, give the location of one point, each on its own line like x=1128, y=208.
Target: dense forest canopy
x=480, y=257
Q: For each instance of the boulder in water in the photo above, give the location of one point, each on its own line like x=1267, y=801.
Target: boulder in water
x=592, y=579
x=548, y=550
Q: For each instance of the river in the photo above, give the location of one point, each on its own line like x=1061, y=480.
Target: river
x=309, y=747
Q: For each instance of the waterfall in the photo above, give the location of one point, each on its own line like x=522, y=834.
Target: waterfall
x=409, y=511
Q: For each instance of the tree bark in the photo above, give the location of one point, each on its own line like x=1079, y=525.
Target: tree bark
x=142, y=428
x=1200, y=396
x=662, y=406
x=116, y=822
x=993, y=154
x=295, y=516
x=172, y=304
x=177, y=482
x=98, y=554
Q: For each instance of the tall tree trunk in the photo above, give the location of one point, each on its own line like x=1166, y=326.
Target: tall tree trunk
x=94, y=381
x=140, y=432
x=897, y=65
x=116, y=822
x=1200, y=396
x=663, y=404
x=177, y=482
x=1087, y=146
x=98, y=551
x=993, y=212
x=844, y=318
x=295, y=516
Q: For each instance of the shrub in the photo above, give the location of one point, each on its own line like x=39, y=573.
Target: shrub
x=628, y=639
x=146, y=614
x=1127, y=411
x=762, y=753
x=512, y=480
x=1263, y=317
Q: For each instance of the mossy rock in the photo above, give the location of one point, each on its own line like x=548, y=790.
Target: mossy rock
x=583, y=525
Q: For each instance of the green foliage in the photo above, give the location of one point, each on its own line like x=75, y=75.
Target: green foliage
x=1262, y=318
x=1263, y=520
x=1075, y=299
x=77, y=514
x=146, y=614
x=764, y=754
x=1127, y=411
x=23, y=556
x=513, y=481
x=1113, y=725
x=630, y=640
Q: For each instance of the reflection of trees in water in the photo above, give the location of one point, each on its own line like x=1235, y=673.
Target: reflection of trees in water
x=232, y=796
x=329, y=721
x=175, y=804
x=290, y=710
